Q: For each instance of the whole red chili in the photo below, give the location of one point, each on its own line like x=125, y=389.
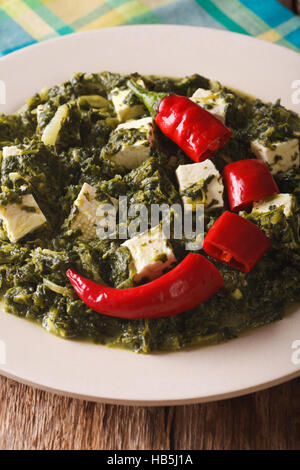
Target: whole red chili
x=196, y=131
x=189, y=284
x=247, y=181
x=236, y=241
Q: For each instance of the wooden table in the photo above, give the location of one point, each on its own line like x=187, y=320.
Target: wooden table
x=31, y=419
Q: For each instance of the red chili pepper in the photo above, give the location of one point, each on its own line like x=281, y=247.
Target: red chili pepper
x=196, y=131
x=248, y=181
x=236, y=241
x=190, y=283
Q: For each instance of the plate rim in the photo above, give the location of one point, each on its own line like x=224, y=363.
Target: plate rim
x=145, y=26
x=154, y=403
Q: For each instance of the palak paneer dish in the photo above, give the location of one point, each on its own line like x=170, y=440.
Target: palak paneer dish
x=69, y=257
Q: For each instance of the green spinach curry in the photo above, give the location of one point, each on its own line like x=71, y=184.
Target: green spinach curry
x=66, y=136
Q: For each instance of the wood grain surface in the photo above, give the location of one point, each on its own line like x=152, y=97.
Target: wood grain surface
x=31, y=419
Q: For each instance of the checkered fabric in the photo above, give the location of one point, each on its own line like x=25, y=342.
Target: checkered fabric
x=24, y=22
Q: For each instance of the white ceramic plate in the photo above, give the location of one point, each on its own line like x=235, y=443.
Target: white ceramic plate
x=253, y=362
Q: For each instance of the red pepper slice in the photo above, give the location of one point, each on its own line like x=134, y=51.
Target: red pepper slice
x=236, y=241
x=247, y=181
x=190, y=283
x=196, y=131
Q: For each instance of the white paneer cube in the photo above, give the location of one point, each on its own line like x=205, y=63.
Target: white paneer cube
x=121, y=101
x=151, y=254
x=286, y=201
x=51, y=131
x=281, y=156
x=129, y=144
x=203, y=181
x=11, y=151
x=21, y=219
x=87, y=214
x=212, y=102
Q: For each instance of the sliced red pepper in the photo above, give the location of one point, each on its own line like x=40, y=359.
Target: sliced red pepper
x=247, y=181
x=189, y=284
x=196, y=131
x=236, y=241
